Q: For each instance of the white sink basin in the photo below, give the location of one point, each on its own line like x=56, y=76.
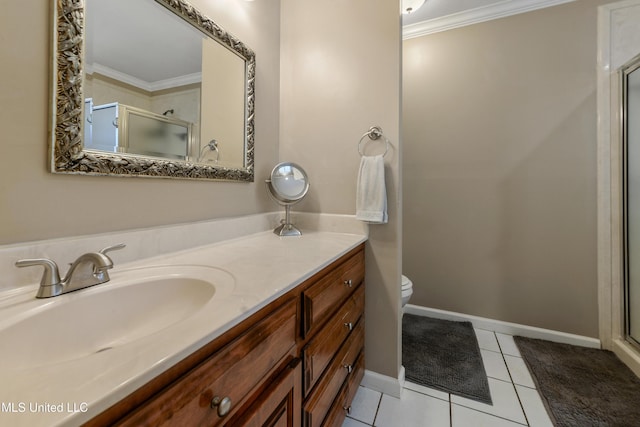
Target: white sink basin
x=134, y=304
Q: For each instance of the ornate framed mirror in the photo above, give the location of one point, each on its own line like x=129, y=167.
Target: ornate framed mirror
x=168, y=115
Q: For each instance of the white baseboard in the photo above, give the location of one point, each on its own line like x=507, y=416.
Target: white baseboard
x=384, y=384
x=505, y=327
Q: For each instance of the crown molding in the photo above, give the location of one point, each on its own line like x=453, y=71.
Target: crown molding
x=142, y=84
x=473, y=16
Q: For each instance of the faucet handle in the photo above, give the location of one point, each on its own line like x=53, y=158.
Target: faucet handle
x=112, y=248
x=50, y=277
x=110, y=265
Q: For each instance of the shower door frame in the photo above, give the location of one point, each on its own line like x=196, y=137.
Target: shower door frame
x=624, y=72
x=617, y=28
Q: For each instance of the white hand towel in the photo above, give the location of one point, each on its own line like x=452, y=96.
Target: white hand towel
x=371, y=194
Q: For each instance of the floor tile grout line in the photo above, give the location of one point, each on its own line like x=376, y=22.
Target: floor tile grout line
x=489, y=413
x=513, y=384
x=492, y=351
x=504, y=356
x=527, y=386
x=427, y=394
x=450, y=411
x=500, y=379
x=360, y=421
x=378, y=408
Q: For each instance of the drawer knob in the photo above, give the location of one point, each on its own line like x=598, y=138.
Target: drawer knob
x=223, y=404
x=349, y=368
x=349, y=325
x=347, y=409
x=348, y=283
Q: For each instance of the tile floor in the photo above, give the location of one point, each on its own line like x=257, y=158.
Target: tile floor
x=516, y=402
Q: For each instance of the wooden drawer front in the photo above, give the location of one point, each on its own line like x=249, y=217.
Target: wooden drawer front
x=326, y=295
x=232, y=372
x=318, y=404
x=320, y=350
x=342, y=405
x=278, y=406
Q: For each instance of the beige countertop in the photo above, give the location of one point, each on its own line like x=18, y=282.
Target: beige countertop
x=257, y=269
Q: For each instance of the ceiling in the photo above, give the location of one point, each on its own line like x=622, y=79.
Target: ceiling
x=439, y=8
x=141, y=43
x=441, y=15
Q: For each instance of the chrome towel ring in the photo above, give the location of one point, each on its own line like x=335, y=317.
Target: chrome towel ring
x=374, y=133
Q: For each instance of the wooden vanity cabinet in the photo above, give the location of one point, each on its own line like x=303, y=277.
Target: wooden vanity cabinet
x=229, y=376
x=333, y=343
x=296, y=362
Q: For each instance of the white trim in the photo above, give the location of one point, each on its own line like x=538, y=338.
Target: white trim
x=627, y=354
x=505, y=327
x=384, y=384
x=473, y=16
x=604, y=203
x=143, y=84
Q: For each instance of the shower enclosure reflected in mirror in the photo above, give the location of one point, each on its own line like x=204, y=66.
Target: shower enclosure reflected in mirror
x=148, y=99
x=630, y=112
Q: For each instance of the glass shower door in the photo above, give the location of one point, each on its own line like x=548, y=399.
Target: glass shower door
x=631, y=137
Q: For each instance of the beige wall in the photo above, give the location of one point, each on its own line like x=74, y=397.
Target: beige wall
x=499, y=124
x=35, y=204
x=340, y=74
x=338, y=80
x=223, y=77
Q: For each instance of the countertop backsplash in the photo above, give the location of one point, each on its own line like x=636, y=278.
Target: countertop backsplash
x=155, y=241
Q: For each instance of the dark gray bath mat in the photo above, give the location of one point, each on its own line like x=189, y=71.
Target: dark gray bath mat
x=444, y=355
x=582, y=386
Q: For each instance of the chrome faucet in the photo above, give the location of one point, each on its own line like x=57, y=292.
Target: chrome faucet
x=89, y=269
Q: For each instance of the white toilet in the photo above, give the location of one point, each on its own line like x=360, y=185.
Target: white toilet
x=407, y=290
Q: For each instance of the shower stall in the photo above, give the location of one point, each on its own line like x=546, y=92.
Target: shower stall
x=120, y=128
x=618, y=100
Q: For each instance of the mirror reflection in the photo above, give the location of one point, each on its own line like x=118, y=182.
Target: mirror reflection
x=150, y=77
x=150, y=88
x=289, y=181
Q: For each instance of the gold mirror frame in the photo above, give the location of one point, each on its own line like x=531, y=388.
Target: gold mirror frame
x=67, y=154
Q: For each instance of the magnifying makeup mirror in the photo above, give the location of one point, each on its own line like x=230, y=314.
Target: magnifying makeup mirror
x=288, y=184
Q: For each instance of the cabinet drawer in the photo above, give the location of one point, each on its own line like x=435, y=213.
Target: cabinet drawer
x=342, y=405
x=321, y=349
x=232, y=372
x=342, y=366
x=324, y=296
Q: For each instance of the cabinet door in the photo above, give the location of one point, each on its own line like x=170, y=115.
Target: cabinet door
x=279, y=405
x=231, y=374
